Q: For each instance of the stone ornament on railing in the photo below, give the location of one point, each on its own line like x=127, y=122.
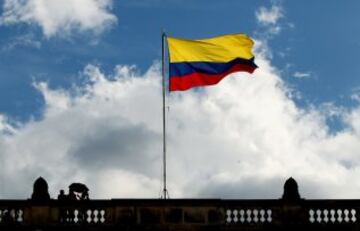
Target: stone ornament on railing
x=291, y=190
x=41, y=191
x=236, y=216
x=332, y=215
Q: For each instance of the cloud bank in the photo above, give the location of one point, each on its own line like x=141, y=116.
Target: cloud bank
x=239, y=139
x=60, y=18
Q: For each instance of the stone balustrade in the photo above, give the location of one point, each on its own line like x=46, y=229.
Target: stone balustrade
x=290, y=212
x=180, y=214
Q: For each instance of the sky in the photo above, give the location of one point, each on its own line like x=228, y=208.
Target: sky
x=80, y=99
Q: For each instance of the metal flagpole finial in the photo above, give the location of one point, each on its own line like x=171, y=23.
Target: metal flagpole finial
x=163, y=33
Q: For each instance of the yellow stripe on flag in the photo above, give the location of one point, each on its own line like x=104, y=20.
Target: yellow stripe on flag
x=217, y=49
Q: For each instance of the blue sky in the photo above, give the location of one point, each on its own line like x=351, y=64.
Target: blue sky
x=80, y=99
x=323, y=45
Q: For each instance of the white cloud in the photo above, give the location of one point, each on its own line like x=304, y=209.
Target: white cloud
x=27, y=40
x=60, y=18
x=302, y=75
x=269, y=20
x=355, y=94
x=5, y=126
x=268, y=16
x=241, y=138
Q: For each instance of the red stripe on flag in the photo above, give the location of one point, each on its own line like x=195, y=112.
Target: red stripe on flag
x=198, y=79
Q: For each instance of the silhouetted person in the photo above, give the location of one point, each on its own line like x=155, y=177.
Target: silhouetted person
x=40, y=192
x=62, y=196
x=291, y=191
x=81, y=189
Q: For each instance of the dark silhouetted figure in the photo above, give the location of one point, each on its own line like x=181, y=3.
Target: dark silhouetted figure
x=63, y=214
x=291, y=191
x=79, y=188
x=74, y=190
x=40, y=192
x=62, y=196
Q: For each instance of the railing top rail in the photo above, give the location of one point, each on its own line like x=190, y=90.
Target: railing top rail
x=192, y=202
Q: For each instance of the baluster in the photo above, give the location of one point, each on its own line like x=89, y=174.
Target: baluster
x=12, y=214
x=89, y=216
x=332, y=212
x=20, y=216
x=262, y=216
x=5, y=215
x=103, y=214
x=311, y=214
x=248, y=213
x=228, y=216
x=340, y=218
x=269, y=215
x=326, y=218
x=318, y=213
x=346, y=215
x=235, y=213
x=353, y=215
x=95, y=217
x=242, y=216
x=256, y=213
x=76, y=216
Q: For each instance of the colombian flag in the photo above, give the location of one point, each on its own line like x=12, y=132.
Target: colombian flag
x=195, y=63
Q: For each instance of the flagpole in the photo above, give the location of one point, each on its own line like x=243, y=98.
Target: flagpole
x=163, y=37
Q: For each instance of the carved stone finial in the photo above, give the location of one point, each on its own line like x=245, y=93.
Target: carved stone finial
x=291, y=191
x=40, y=192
